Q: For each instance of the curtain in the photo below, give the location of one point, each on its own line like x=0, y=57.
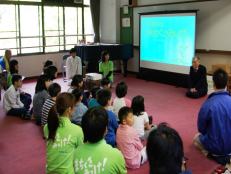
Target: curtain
x=95, y=12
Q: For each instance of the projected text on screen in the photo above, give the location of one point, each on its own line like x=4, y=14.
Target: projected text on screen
x=167, y=39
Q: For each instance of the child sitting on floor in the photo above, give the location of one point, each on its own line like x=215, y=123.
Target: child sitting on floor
x=121, y=100
x=25, y=98
x=141, y=120
x=51, y=71
x=165, y=151
x=128, y=141
x=105, y=83
x=62, y=137
x=80, y=109
x=11, y=100
x=95, y=155
x=93, y=102
x=77, y=83
x=40, y=96
x=53, y=90
x=104, y=99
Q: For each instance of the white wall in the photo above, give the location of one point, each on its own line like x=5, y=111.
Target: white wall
x=148, y=2
x=32, y=65
x=206, y=59
x=124, y=2
x=213, y=22
x=110, y=21
x=210, y=59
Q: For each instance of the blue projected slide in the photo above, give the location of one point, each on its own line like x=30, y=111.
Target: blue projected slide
x=168, y=39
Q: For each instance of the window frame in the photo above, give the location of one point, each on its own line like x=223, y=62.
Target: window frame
x=41, y=21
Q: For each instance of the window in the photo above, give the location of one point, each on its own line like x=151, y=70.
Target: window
x=86, y=2
x=8, y=29
x=37, y=28
x=31, y=29
x=27, y=0
x=88, y=26
x=73, y=26
x=54, y=31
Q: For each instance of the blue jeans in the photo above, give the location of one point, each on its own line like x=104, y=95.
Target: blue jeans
x=19, y=112
x=26, y=100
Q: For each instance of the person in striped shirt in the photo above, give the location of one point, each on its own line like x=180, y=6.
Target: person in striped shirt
x=53, y=90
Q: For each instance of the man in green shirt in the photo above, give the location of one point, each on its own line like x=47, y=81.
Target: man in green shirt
x=106, y=66
x=60, y=152
x=95, y=156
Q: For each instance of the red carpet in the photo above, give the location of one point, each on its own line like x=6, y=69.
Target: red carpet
x=22, y=149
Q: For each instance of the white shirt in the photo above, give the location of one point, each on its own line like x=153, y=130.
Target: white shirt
x=139, y=122
x=118, y=103
x=73, y=66
x=70, y=90
x=11, y=99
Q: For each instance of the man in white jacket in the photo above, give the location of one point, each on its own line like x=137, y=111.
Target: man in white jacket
x=11, y=100
x=73, y=65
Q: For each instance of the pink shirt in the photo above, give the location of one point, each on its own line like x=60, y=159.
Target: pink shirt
x=128, y=142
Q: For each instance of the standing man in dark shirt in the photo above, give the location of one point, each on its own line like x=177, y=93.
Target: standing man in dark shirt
x=197, y=82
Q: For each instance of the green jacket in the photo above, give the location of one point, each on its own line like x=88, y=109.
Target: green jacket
x=59, y=154
x=99, y=158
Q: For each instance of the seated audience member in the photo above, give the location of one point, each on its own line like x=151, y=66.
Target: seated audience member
x=93, y=102
x=40, y=97
x=105, y=83
x=62, y=137
x=165, y=151
x=6, y=60
x=13, y=70
x=47, y=63
x=106, y=66
x=24, y=97
x=77, y=83
x=97, y=156
x=121, y=100
x=5, y=68
x=197, y=82
x=11, y=101
x=128, y=141
x=141, y=119
x=73, y=65
x=79, y=109
x=51, y=71
x=54, y=89
x=214, y=122
x=104, y=99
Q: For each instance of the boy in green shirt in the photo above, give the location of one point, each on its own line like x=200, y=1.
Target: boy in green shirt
x=62, y=136
x=106, y=66
x=95, y=156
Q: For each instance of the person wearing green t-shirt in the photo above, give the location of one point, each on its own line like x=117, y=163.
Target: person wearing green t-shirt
x=62, y=137
x=96, y=156
x=106, y=66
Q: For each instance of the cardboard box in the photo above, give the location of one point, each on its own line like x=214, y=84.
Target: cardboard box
x=226, y=67
x=89, y=84
x=210, y=84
